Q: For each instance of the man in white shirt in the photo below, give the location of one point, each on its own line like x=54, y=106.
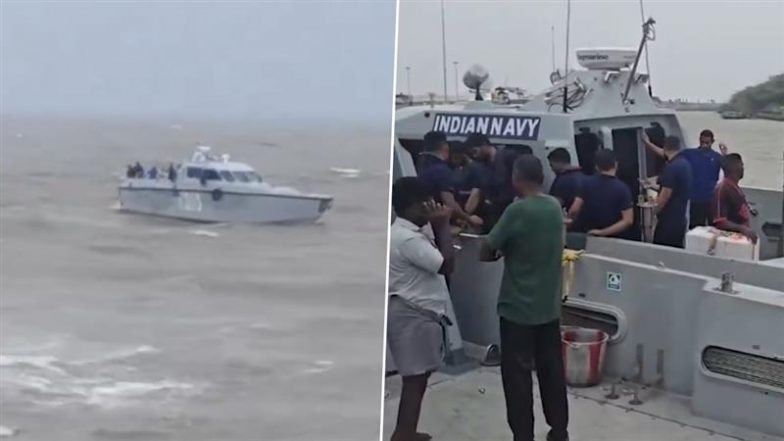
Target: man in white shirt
x=417, y=296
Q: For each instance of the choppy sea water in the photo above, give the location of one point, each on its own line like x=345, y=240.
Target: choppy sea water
x=759, y=141
x=118, y=327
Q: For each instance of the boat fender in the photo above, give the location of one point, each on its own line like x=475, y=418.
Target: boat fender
x=217, y=194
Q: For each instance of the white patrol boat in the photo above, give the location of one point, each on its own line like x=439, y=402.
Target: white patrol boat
x=207, y=188
x=696, y=341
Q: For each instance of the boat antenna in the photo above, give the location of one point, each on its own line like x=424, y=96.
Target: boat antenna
x=552, y=45
x=566, y=62
x=443, y=47
x=647, y=61
x=647, y=34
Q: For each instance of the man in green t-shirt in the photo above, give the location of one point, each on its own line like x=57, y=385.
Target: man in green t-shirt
x=530, y=238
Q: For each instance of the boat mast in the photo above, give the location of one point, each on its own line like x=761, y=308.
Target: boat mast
x=552, y=45
x=647, y=62
x=443, y=47
x=646, y=28
x=566, y=61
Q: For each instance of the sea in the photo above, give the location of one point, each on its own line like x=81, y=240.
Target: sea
x=123, y=327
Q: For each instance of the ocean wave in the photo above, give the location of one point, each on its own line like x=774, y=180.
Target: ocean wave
x=119, y=355
x=320, y=366
x=44, y=362
x=346, y=172
x=206, y=233
x=7, y=432
x=119, y=393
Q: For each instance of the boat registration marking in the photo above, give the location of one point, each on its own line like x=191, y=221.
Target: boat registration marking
x=493, y=126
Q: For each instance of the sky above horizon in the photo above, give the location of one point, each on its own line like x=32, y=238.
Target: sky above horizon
x=703, y=50
x=220, y=60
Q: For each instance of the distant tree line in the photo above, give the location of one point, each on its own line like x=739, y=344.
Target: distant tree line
x=767, y=97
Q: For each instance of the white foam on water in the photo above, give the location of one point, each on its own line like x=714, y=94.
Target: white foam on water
x=45, y=362
x=175, y=127
x=7, y=432
x=346, y=172
x=121, y=392
x=321, y=367
x=206, y=233
x=116, y=206
x=121, y=354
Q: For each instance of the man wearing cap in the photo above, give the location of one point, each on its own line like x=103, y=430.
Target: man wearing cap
x=705, y=166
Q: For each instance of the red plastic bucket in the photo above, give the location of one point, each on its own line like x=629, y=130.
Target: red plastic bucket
x=583, y=353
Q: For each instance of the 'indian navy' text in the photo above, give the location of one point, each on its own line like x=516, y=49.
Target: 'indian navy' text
x=516, y=127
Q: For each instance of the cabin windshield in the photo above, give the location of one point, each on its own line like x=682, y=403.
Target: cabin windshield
x=248, y=176
x=227, y=176
x=209, y=174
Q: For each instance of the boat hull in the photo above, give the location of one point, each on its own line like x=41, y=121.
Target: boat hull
x=224, y=206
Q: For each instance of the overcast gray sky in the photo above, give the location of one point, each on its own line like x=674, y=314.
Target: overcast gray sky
x=220, y=59
x=703, y=49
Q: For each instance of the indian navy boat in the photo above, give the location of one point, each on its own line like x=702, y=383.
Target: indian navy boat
x=696, y=341
x=207, y=188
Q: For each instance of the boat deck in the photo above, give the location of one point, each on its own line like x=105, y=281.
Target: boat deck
x=470, y=406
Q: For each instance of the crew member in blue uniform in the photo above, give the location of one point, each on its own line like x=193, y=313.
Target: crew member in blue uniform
x=675, y=188
x=434, y=170
x=568, y=177
x=603, y=206
x=468, y=179
x=705, y=167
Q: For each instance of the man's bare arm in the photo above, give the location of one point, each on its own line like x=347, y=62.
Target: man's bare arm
x=487, y=253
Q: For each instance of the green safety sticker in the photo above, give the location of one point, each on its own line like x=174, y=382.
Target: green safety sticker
x=614, y=281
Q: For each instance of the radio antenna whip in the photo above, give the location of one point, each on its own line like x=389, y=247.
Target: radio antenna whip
x=647, y=61
x=566, y=61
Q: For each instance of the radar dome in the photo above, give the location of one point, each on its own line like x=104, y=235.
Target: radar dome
x=476, y=77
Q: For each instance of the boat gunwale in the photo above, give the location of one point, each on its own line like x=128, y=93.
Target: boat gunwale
x=229, y=192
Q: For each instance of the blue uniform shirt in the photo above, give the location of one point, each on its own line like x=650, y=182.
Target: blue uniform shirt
x=566, y=186
x=677, y=175
x=705, y=167
x=437, y=175
x=604, y=199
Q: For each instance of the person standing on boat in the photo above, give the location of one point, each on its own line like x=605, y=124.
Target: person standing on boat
x=675, y=185
x=468, y=179
x=568, y=177
x=436, y=173
x=705, y=166
x=416, y=320
x=530, y=237
x=485, y=154
x=730, y=210
x=603, y=206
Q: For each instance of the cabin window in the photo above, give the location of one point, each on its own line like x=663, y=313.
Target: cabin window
x=194, y=172
x=242, y=177
x=209, y=174
x=227, y=176
x=254, y=177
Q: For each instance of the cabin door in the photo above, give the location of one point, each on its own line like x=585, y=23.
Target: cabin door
x=626, y=144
